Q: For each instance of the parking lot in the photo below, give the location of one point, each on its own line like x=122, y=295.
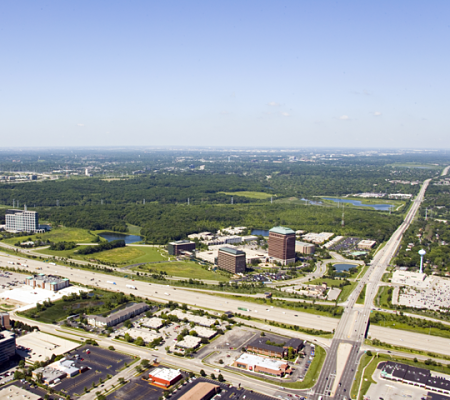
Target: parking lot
x=137, y=389
x=101, y=362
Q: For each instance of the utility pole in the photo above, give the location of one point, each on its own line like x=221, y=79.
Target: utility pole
x=426, y=214
x=188, y=201
x=232, y=200
x=343, y=223
x=57, y=203
x=143, y=202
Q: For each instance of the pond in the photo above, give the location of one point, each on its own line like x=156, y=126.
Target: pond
x=261, y=232
x=344, y=267
x=358, y=203
x=110, y=236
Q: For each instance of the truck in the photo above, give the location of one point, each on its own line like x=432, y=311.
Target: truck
x=111, y=282
x=131, y=287
x=243, y=309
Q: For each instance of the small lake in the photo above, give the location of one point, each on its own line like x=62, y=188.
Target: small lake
x=110, y=236
x=358, y=203
x=261, y=232
x=344, y=267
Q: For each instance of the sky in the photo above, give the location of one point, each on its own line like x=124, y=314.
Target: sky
x=217, y=73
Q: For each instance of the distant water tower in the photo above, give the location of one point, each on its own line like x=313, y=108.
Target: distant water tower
x=422, y=252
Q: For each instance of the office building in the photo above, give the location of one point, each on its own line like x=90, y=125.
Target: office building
x=48, y=282
x=282, y=245
x=117, y=317
x=304, y=248
x=176, y=248
x=22, y=221
x=7, y=346
x=4, y=321
x=231, y=259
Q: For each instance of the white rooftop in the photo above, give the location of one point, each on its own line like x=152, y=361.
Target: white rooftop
x=168, y=374
x=16, y=393
x=253, y=360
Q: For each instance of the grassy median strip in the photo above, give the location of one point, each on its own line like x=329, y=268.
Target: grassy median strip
x=363, y=372
x=362, y=296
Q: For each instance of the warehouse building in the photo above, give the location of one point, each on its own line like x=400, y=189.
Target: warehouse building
x=164, y=377
x=117, y=317
x=282, y=245
x=231, y=259
x=176, y=248
x=48, y=282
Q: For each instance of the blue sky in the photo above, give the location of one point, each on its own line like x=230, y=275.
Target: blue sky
x=249, y=73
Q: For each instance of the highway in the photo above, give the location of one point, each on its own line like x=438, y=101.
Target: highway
x=353, y=325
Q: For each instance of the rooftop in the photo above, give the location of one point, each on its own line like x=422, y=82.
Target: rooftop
x=199, y=391
x=16, y=393
x=282, y=230
x=167, y=374
x=232, y=250
x=263, y=362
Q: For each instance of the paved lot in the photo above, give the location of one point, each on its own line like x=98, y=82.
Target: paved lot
x=137, y=389
x=101, y=363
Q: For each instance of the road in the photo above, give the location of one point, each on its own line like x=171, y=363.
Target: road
x=445, y=171
x=353, y=325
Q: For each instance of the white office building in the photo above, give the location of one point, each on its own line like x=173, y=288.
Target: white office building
x=22, y=221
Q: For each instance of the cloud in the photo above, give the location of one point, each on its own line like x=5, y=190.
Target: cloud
x=377, y=113
x=80, y=125
x=344, y=117
x=285, y=114
x=273, y=104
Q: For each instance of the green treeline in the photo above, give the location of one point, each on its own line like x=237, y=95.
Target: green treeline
x=101, y=247
x=61, y=246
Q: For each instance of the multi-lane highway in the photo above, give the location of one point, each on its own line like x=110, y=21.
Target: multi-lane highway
x=337, y=375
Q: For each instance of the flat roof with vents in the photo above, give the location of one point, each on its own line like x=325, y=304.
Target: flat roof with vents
x=282, y=230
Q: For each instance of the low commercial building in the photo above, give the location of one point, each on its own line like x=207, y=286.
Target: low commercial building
x=49, y=374
x=366, y=244
x=317, y=238
x=7, y=346
x=152, y=323
x=117, y=317
x=69, y=367
x=304, y=248
x=17, y=393
x=176, y=248
x=48, y=282
x=231, y=259
x=146, y=335
x=189, y=342
x=164, y=377
x=196, y=319
x=201, y=391
x=264, y=365
x=205, y=332
x=260, y=346
x=296, y=344
x=415, y=376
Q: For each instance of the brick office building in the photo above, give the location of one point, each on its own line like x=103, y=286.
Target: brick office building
x=231, y=259
x=175, y=248
x=282, y=244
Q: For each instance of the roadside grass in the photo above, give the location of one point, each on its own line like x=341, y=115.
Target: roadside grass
x=362, y=272
x=183, y=269
x=250, y=195
x=386, y=276
x=306, y=307
x=382, y=298
x=59, y=234
x=345, y=290
x=362, y=296
x=382, y=345
x=411, y=324
x=365, y=360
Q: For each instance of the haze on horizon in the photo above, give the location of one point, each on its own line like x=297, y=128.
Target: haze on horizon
x=254, y=73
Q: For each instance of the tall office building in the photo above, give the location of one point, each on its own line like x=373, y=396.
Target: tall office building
x=5, y=323
x=7, y=346
x=21, y=221
x=282, y=244
x=231, y=259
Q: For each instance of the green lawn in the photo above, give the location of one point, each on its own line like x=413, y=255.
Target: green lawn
x=345, y=290
x=362, y=296
x=383, y=297
x=371, y=362
x=133, y=229
x=251, y=195
x=184, y=269
x=61, y=234
x=120, y=256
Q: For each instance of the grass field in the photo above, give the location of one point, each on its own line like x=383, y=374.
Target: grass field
x=122, y=255
x=370, y=363
x=345, y=290
x=61, y=234
x=362, y=296
x=250, y=195
x=382, y=298
x=184, y=269
x=133, y=229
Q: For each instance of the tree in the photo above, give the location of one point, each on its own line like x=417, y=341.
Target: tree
x=202, y=373
x=111, y=348
x=145, y=363
x=138, y=368
x=220, y=378
x=369, y=353
x=139, y=341
x=122, y=381
x=213, y=376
